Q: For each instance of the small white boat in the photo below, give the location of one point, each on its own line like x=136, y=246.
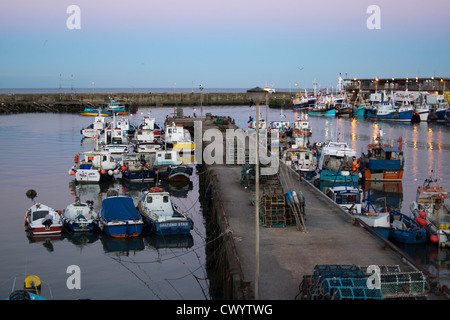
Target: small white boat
x=43, y=220
x=96, y=128
x=301, y=160
x=347, y=197
x=430, y=207
x=80, y=216
x=179, y=139
x=94, y=166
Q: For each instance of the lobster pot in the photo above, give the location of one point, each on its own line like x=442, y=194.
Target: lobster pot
x=330, y=285
x=383, y=269
x=322, y=272
x=273, y=210
x=403, y=284
x=357, y=293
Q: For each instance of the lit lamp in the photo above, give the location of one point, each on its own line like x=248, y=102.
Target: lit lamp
x=257, y=95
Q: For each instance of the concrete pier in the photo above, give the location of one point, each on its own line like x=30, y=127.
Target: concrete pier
x=14, y=103
x=287, y=255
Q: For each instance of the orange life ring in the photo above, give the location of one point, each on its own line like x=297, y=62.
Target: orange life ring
x=156, y=189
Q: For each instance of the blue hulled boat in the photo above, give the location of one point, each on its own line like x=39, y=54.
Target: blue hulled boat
x=161, y=215
x=119, y=217
x=387, y=111
x=336, y=163
x=406, y=230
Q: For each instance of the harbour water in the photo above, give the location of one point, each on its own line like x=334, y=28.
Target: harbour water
x=38, y=151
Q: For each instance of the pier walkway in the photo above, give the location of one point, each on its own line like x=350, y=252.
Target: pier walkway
x=287, y=254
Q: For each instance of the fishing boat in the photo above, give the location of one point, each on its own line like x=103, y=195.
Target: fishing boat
x=80, y=216
x=337, y=163
x=94, y=166
x=41, y=219
x=137, y=168
x=376, y=217
x=93, y=112
x=302, y=160
x=383, y=162
x=347, y=197
x=300, y=103
x=178, y=138
x=302, y=127
x=119, y=217
x=281, y=126
x=161, y=215
x=388, y=111
x=323, y=109
x=148, y=123
x=170, y=168
x=404, y=229
x=359, y=110
x=116, y=108
x=431, y=211
x=422, y=111
x=96, y=128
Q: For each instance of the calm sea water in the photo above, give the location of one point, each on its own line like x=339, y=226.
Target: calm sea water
x=38, y=151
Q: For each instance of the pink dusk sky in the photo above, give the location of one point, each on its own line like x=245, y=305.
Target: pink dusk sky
x=220, y=44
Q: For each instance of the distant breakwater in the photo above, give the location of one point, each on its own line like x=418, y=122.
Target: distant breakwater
x=66, y=102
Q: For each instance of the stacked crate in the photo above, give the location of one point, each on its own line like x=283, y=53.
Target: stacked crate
x=273, y=208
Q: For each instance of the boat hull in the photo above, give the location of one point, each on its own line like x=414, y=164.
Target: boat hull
x=385, y=175
x=80, y=226
x=139, y=175
x=405, y=116
x=168, y=227
x=320, y=112
x=123, y=229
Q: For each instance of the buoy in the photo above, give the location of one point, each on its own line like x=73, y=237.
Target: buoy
x=72, y=172
x=124, y=168
x=421, y=221
x=32, y=282
x=423, y=214
x=110, y=172
x=434, y=238
x=103, y=171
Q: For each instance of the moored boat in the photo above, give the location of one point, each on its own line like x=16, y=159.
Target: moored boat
x=387, y=111
x=337, y=163
x=96, y=128
x=161, y=215
x=80, y=216
x=302, y=160
x=383, y=162
x=93, y=112
x=136, y=167
x=404, y=229
x=41, y=219
x=119, y=217
x=431, y=211
x=94, y=166
x=347, y=197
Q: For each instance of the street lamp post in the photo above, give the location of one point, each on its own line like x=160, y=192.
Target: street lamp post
x=257, y=95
